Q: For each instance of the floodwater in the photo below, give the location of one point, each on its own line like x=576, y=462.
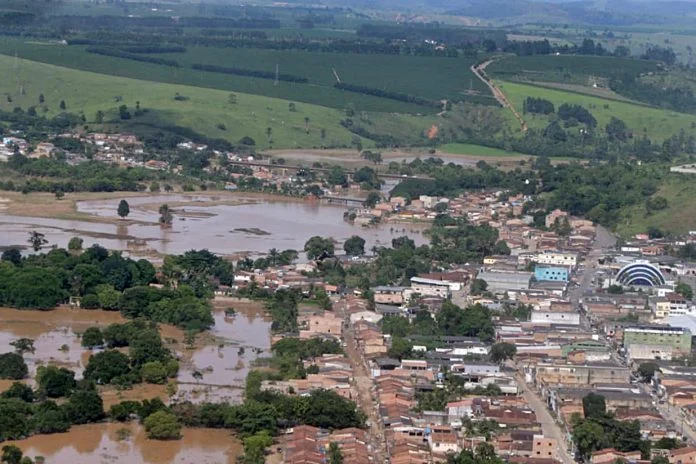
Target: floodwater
x=127, y=443
x=224, y=224
x=225, y=363
x=55, y=335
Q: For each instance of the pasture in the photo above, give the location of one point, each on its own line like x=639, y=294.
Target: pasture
x=426, y=77
x=658, y=124
x=206, y=111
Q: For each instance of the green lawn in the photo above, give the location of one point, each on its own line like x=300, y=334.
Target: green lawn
x=657, y=123
x=679, y=217
x=203, y=111
x=477, y=150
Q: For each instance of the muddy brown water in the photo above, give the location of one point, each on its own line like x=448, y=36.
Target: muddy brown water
x=127, y=443
x=226, y=225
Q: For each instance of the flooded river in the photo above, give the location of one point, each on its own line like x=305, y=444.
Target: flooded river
x=127, y=443
x=224, y=224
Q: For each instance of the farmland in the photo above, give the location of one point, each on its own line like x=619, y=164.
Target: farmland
x=656, y=123
x=404, y=74
x=200, y=109
x=567, y=68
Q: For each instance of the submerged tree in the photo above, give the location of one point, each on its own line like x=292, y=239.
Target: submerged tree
x=166, y=217
x=37, y=240
x=123, y=209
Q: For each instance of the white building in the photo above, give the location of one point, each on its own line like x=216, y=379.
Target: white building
x=431, y=287
x=556, y=258
x=553, y=317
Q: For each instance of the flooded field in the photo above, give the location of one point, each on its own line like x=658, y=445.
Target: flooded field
x=127, y=443
x=55, y=335
x=224, y=362
x=225, y=224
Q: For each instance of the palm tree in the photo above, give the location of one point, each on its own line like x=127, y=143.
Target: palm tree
x=37, y=240
x=273, y=256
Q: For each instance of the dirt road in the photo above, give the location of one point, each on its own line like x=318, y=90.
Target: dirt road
x=363, y=385
x=480, y=71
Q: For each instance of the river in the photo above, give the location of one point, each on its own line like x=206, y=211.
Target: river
x=224, y=224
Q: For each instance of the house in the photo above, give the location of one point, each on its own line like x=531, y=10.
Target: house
x=685, y=455
x=610, y=456
x=389, y=295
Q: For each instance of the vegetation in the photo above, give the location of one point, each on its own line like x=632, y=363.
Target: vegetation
x=162, y=425
x=12, y=366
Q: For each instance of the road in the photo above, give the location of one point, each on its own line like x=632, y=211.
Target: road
x=480, y=71
x=363, y=384
x=549, y=426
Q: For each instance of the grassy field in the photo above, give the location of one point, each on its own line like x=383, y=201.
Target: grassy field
x=679, y=217
x=404, y=74
x=203, y=111
x=477, y=150
x=658, y=124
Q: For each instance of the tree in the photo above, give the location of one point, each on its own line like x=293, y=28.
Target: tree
x=588, y=436
x=105, y=366
x=502, y=351
x=99, y=117
x=11, y=454
x=269, y=135
x=478, y=286
x=92, y=338
x=62, y=105
x=647, y=371
x=306, y=123
x=75, y=244
x=37, y=240
x=20, y=391
x=12, y=255
x=123, y=209
x=162, y=425
x=335, y=454
x=292, y=107
x=166, y=217
x=154, y=372
x=55, y=381
x=594, y=406
x=232, y=99
x=42, y=99
x=12, y=366
x=23, y=345
x=372, y=199
x=123, y=113
x=85, y=406
x=317, y=247
x=255, y=447
x=354, y=246
x=659, y=459
x=684, y=290
x=400, y=348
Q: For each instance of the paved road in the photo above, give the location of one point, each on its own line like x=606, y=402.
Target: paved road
x=549, y=426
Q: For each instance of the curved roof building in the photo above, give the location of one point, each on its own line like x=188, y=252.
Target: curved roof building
x=641, y=273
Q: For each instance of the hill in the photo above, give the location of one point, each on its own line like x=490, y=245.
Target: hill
x=657, y=123
x=207, y=111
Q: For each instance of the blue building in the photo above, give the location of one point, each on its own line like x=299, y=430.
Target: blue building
x=549, y=273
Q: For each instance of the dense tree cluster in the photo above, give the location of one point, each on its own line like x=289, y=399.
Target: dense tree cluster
x=599, y=430
x=538, y=106
x=21, y=415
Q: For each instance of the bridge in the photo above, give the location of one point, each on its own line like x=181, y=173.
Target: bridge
x=349, y=201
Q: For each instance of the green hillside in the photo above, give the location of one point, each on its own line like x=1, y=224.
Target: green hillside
x=198, y=108
x=658, y=124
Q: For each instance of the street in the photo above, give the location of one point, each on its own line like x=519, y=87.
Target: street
x=549, y=426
